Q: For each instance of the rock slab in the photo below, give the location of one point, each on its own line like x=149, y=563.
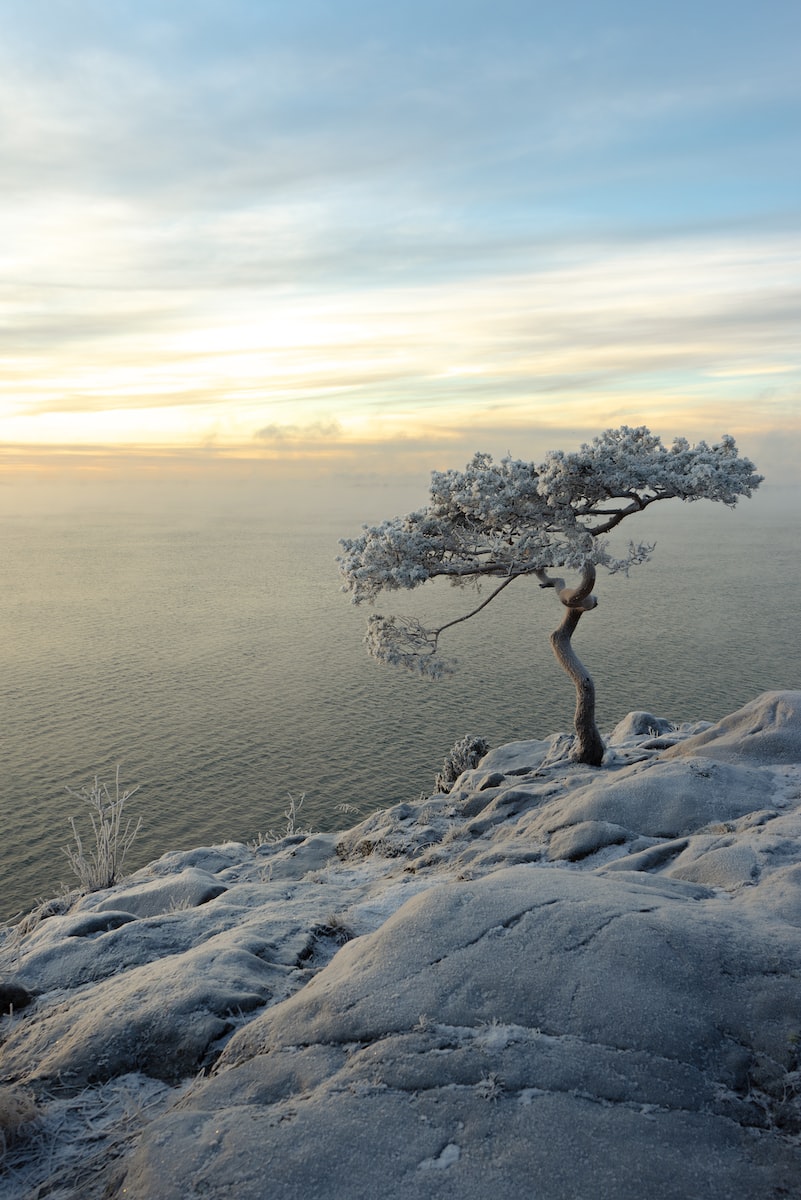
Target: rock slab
x=552, y=982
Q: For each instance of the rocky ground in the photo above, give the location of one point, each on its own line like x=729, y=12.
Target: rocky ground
x=552, y=981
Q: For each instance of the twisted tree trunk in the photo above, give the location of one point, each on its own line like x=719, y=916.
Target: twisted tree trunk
x=589, y=747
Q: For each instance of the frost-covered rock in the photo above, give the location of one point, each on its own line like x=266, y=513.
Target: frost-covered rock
x=515, y=1019
x=657, y=799
x=551, y=974
x=639, y=725
x=187, y=889
x=765, y=732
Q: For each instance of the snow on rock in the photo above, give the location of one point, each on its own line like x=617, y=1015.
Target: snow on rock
x=560, y=951
x=636, y=725
x=584, y=978
x=766, y=731
x=657, y=799
x=185, y=890
x=379, y=1062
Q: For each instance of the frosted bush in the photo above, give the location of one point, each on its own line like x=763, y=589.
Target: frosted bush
x=101, y=865
x=463, y=756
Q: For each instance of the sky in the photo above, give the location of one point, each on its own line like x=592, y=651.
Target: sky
x=359, y=242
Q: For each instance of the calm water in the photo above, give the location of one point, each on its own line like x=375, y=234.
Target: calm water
x=215, y=658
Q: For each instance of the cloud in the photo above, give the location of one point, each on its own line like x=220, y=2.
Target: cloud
x=323, y=229
x=603, y=333
x=217, y=106
x=312, y=433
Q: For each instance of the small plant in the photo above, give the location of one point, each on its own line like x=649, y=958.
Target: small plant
x=17, y=1109
x=101, y=866
x=13, y=934
x=291, y=829
x=490, y=1087
x=465, y=755
x=336, y=928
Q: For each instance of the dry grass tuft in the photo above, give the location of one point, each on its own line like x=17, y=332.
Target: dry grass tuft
x=101, y=866
x=17, y=1108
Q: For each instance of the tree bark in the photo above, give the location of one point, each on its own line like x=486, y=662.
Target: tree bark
x=588, y=747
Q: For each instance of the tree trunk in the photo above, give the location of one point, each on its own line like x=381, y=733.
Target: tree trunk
x=589, y=747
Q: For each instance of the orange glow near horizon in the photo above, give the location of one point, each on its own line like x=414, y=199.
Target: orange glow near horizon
x=620, y=341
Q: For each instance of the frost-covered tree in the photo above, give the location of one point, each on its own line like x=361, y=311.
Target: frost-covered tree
x=502, y=521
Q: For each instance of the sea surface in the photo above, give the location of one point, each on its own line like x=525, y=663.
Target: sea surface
x=210, y=653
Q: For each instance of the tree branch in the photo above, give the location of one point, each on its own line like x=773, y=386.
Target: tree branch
x=579, y=598
x=641, y=503
x=491, y=568
x=467, y=616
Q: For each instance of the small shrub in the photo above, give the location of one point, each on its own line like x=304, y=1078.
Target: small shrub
x=490, y=1087
x=465, y=755
x=336, y=928
x=291, y=829
x=15, y=931
x=17, y=1108
x=101, y=866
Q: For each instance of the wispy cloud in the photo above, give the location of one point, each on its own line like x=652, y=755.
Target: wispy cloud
x=315, y=432
x=311, y=228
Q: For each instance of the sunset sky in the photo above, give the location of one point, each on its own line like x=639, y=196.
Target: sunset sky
x=354, y=238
